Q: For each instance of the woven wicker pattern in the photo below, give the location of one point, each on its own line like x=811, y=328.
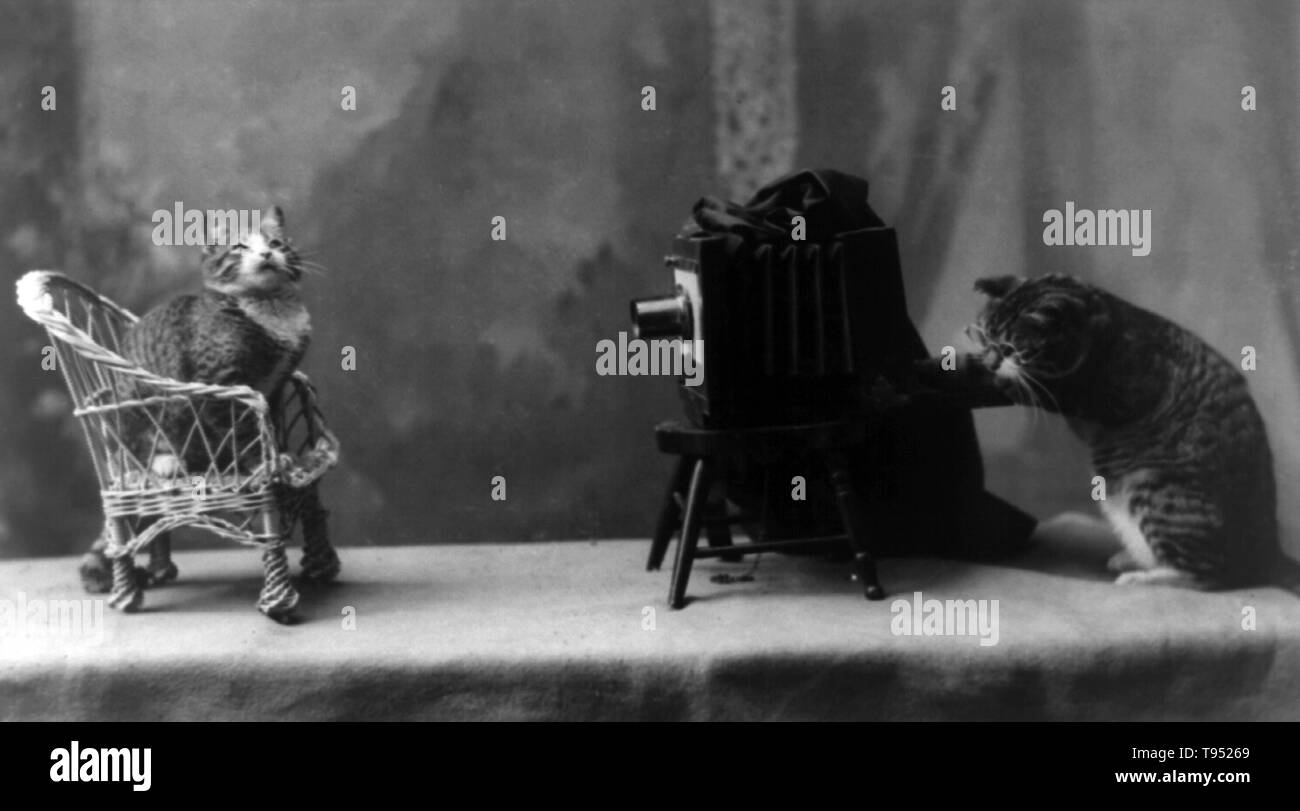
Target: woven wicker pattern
x=261, y=460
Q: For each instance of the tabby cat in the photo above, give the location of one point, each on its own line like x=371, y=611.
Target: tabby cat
x=248, y=327
x=1170, y=423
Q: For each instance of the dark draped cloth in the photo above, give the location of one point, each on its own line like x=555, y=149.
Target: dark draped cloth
x=830, y=202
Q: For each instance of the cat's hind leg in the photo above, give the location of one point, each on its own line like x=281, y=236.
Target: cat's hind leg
x=1174, y=539
x=1163, y=576
x=95, y=568
x=161, y=570
x=320, y=563
x=1122, y=561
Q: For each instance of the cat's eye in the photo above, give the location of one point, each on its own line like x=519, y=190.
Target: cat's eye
x=240, y=247
x=275, y=243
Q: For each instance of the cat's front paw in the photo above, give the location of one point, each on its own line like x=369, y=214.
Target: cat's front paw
x=166, y=466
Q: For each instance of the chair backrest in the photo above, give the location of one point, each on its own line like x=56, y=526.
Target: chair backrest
x=118, y=403
x=86, y=328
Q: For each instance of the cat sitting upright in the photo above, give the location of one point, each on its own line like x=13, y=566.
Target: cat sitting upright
x=248, y=327
x=1170, y=422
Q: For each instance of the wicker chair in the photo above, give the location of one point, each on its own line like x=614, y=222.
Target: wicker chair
x=261, y=466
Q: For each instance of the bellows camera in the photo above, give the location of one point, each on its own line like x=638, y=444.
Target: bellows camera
x=783, y=333
x=793, y=305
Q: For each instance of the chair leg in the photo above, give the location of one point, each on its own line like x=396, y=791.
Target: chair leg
x=320, y=562
x=864, y=565
x=278, y=598
x=695, y=498
x=160, y=569
x=128, y=592
x=669, y=514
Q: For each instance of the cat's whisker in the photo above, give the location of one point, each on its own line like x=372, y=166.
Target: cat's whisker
x=1023, y=381
x=311, y=267
x=1030, y=380
x=1034, y=403
x=1035, y=382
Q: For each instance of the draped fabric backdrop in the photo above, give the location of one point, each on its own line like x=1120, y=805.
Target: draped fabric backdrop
x=476, y=358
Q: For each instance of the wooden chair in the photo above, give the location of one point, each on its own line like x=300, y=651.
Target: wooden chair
x=704, y=455
x=261, y=462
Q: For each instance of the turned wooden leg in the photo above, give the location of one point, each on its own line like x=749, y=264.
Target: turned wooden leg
x=864, y=565
x=278, y=598
x=694, y=515
x=127, y=594
x=669, y=514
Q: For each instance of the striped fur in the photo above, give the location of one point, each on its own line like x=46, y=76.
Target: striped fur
x=1170, y=422
x=248, y=327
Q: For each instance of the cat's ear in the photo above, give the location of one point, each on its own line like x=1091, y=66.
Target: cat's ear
x=1099, y=319
x=273, y=222
x=998, y=286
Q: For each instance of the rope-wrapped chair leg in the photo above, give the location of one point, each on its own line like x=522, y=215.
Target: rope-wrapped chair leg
x=320, y=563
x=278, y=598
x=160, y=569
x=128, y=591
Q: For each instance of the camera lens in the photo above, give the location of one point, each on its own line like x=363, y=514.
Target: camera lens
x=662, y=317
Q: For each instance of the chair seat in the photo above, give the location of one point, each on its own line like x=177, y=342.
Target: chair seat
x=295, y=472
x=136, y=482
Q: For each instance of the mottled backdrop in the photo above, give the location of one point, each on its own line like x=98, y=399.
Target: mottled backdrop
x=477, y=358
